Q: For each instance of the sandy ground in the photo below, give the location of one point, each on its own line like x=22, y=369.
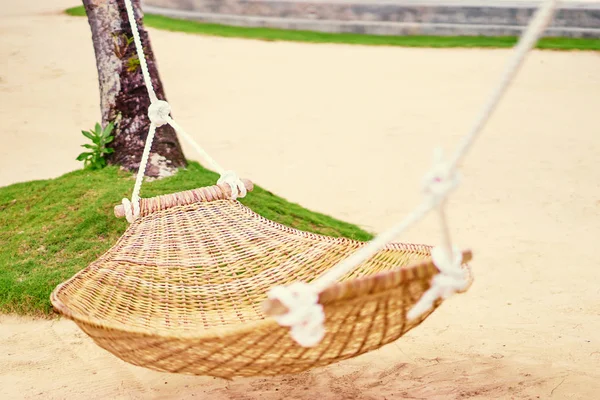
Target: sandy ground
x=347, y=131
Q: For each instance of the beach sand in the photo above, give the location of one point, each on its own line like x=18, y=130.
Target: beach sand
x=348, y=131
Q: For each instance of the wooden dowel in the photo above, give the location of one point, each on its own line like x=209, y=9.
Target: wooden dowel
x=223, y=192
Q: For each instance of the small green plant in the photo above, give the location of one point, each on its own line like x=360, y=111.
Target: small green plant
x=94, y=159
x=133, y=63
x=121, y=44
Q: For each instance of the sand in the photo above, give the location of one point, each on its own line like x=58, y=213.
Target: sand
x=348, y=131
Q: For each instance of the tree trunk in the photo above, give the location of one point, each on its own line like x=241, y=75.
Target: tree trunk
x=123, y=96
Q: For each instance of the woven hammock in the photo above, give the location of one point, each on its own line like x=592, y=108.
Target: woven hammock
x=200, y=284
x=183, y=290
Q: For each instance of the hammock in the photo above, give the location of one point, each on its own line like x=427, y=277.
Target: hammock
x=148, y=301
x=200, y=284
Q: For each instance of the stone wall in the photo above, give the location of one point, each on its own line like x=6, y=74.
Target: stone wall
x=386, y=17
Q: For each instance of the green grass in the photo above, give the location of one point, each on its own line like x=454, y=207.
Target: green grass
x=271, y=34
x=50, y=229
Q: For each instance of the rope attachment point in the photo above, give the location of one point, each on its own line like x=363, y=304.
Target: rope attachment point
x=304, y=314
x=238, y=189
x=440, y=180
x=132, y=209
x=158, y=112
x=437, y=185
x=451, y=279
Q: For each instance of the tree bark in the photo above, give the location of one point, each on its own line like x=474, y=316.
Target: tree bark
x=123, y=95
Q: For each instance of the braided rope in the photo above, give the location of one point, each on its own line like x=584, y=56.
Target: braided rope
x=438, y=184
x=536, y=27
x=140, y=51
x=159, y=115
x=438, y=188
x=211, y=161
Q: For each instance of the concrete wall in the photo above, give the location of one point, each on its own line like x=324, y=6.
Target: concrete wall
x=387, y=17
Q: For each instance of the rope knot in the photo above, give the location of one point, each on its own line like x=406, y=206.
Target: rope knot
x=238, y=189
x=305, y=315
x=158, y=112
x=440, y=180
x=451, y=279
x=132, y=209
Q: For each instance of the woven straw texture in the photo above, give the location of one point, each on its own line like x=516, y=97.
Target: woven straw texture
x=183, y=289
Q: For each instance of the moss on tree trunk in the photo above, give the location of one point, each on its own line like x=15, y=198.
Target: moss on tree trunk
x=123, y=95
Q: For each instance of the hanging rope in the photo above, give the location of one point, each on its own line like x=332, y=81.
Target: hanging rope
x=438, y=184
x=536, y=27
x=140, y=51
x=159, y=114
x=304, y=315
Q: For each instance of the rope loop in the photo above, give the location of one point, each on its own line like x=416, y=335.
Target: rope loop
x=132, y=209
x=158, y=112
x=448, y=264
x=238, y=189
x=305, y=315
x=440, y=180
x=451, y=279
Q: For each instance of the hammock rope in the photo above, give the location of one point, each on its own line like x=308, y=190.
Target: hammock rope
x=159, y=114
x=296, y=305
x=439, y=182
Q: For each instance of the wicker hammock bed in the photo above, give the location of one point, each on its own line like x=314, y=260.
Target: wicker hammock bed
x=183, y=290
x=200, y=284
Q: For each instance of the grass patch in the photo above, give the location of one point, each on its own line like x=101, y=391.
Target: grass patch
x=51, y=229
x=272, y=34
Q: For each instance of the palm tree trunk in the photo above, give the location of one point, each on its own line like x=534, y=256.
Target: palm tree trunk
x=123, y=96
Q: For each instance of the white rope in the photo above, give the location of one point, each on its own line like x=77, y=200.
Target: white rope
x=213, y=164
x=438, y=183
x=536, y=27
x=140, y=51
x=369, y=249
x=440, y=180
x=452, y=278
x=135, y=197
x=238, y=189
x=306, y=315
x=131, y=210
x=438, y=188
x=159, y=114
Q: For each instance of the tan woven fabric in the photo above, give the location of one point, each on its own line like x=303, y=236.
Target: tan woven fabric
x=183, y=289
